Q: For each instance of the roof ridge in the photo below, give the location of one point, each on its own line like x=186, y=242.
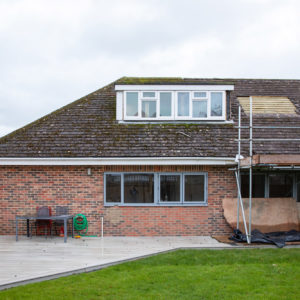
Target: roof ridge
x=4, y=138
x=200, y=78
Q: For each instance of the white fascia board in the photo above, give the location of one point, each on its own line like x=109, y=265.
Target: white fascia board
x=118, y=161
x=119, y=106
x=173, y=87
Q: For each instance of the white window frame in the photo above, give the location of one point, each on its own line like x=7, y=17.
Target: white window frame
x=157, y=201
x=199, y=99
x=138, y=117
x=149, y=98
x=156, y=105
x=208, y=99
x=142, y=98
x=223, y=106
x=174, y=106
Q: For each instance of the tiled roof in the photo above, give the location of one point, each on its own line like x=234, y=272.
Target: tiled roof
x=171, y=80
x=88, y=127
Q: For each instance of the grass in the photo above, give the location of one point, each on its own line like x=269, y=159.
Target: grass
x=184, y=274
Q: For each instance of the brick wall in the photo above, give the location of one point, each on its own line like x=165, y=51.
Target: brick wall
x=24, y=188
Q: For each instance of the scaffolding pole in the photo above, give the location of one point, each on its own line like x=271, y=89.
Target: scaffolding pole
x=270, y=127
x=250, y=166
x=250, y=170
x=266, y=140
x=239, y=173
x=240, y=200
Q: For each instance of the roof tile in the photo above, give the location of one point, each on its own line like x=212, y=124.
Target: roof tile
x=88, y=128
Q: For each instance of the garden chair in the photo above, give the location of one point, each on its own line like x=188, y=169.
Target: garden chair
x=44, y=211
x=60, y=210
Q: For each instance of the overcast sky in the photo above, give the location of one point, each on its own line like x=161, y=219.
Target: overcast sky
x=54, y=52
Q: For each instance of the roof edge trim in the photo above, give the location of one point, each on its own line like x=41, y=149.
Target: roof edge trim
x=173, y=87
x=61, y=161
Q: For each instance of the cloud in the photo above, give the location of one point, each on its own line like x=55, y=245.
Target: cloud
x=53, y=52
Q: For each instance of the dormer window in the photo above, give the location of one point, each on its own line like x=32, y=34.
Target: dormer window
x=165, y=104
x=132, y=104
x=171, y=102
x=149, y=104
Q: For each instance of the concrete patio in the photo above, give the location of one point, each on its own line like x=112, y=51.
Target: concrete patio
x=37, y=259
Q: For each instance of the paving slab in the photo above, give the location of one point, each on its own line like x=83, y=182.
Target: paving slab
x=38, y=258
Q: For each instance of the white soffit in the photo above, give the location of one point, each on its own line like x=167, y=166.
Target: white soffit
x=173, y=87
x=117, y=161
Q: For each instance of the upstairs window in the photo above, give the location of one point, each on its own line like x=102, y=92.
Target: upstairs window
x=174, y=105
x=183, y=104
x=149, y=105
x=199, y=104
x=132, y=101
x=216, y=104
x=165, y=104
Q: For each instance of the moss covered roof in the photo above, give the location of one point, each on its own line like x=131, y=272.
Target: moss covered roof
x=87, y=127
x=171, y=80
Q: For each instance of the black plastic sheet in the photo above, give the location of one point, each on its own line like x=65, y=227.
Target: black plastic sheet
x=277, y=238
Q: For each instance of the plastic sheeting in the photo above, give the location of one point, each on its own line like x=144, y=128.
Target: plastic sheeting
x=277, y=238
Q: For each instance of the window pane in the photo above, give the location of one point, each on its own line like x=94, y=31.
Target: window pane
x=170, y=188
x=183, y=104
x=194, y=188
x=148, y=94
x=138, y=188
x=199, y=109
x=113, y=188
x=280, y=185
x=200, y=94
x=258, y=185
x=216, y=104
x=132, y=104
x=165, y=104
x=149, y=109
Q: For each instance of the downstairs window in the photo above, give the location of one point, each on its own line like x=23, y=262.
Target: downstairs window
x=258, y=185
x=280, y=185
x=155, y=188
x=270, y=185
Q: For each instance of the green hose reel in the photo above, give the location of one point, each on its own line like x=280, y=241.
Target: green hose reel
x=81, y=224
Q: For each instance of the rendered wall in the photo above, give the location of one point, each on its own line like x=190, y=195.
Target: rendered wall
x=268, y=214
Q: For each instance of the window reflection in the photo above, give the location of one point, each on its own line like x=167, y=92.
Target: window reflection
x=138, y=188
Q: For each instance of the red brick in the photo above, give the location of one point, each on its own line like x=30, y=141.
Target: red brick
x=24, y=188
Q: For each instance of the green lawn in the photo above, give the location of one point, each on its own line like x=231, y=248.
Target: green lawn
x=184, y=274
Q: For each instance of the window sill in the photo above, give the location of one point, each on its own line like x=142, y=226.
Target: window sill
x=155, y=204
x=176, y=122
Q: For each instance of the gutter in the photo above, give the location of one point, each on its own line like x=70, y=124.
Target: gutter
x=117, y=161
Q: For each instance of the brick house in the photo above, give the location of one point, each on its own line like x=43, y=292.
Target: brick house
x=153, y=156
